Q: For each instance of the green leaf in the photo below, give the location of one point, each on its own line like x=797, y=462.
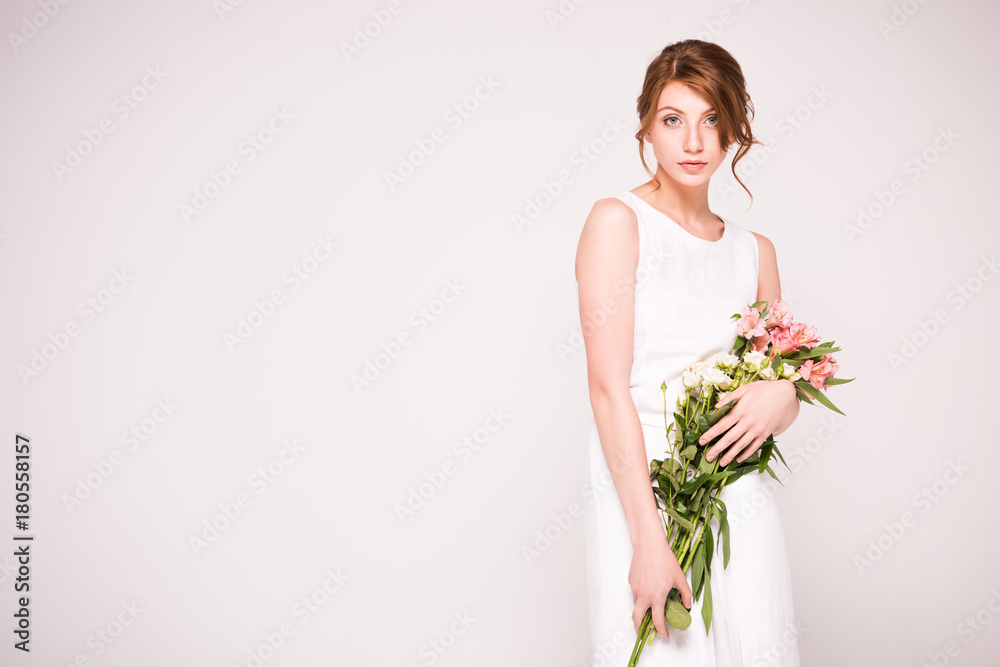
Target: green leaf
x=703, y=423
x=832, y=381
x=697, y=570
x=689, y=452
x=677, y=615
x=679, y=518
x=813, y=352
x=778, y=452
x=803, y=396
x=693, y=485
x=765, y=455
x=709, y=541
x=706, y=608
x=724, y=534
x=771, y=473
x=674, y=483
x=706, y=466
x=817, y=394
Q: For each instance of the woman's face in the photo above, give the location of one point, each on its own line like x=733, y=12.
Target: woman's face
x=685, y=130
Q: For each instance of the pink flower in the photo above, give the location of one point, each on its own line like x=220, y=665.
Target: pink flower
x=795, y=336
x=750, y=325
x=760, y=343
x=778, y=315
x=816, y=374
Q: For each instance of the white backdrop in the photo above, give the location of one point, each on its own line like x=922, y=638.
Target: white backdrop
x=290, y=319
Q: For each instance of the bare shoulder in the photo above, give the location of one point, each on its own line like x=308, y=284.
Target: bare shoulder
x=611, y=211
x=768, y=282
x=610, y=236
x=765, y=245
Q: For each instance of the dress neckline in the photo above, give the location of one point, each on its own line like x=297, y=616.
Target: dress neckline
x=725, y=223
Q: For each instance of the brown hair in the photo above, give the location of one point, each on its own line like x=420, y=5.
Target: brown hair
x=712, y=72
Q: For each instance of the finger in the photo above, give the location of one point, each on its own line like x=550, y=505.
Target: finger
x=738, y=447
x=687, y=599
x=732, y=396
x=720, y=427
x=638, y=613
x=748, y=452
x=724, y=442
x=660, y=616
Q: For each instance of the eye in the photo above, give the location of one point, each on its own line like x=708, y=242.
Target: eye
x=714, y=119
x=669, y=118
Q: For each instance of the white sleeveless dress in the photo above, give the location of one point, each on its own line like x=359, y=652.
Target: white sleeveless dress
x=687, y=289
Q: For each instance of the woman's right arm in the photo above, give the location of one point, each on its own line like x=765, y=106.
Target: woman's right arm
x=607, y=256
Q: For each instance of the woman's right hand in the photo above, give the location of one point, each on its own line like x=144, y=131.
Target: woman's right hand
x=653, y=574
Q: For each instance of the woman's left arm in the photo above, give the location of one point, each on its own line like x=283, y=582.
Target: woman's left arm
x=762, y=408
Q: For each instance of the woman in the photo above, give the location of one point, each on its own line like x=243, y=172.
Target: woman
x=686, y=271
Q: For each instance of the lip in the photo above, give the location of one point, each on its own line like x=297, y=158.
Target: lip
x=692, y=165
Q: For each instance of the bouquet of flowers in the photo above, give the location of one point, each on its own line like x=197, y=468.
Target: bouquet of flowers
x=769, y=346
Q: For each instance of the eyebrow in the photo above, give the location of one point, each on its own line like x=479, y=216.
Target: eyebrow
x=710, y=110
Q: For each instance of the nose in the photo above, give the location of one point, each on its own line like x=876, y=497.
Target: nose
x=692, y=141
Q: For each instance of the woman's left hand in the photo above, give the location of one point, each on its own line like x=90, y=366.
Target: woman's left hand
x=762, y=408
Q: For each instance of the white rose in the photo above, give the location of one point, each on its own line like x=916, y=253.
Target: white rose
x=717, y=377
x=690, y=379
x=768, y=373
x=753, y=360
x=728, y=360
x=795, y=376
x=787, y=370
